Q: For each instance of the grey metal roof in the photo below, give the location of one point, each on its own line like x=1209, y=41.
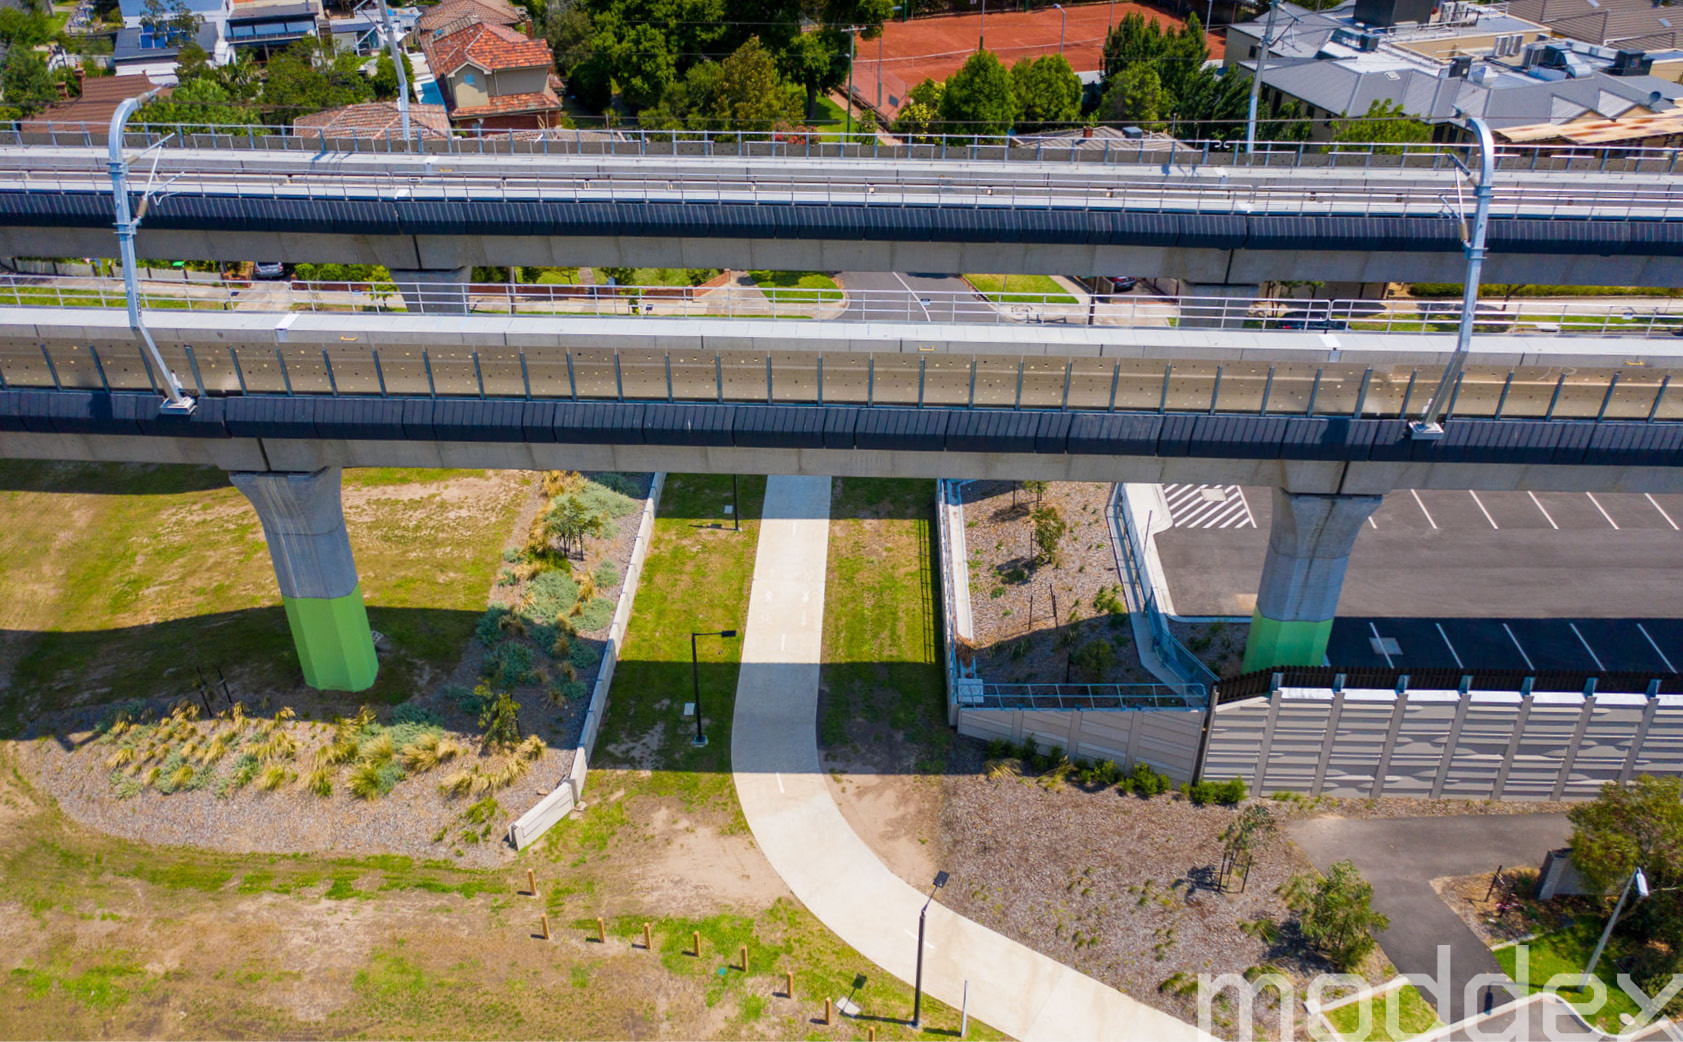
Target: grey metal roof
x=128, y=48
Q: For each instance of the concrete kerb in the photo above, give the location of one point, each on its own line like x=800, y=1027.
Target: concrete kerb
x=569, y=793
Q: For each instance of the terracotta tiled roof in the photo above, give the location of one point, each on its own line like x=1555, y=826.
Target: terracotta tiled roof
x=490, y=47
x=505, y=104
x=100, y=97
x=492, y=12
x=375, y=118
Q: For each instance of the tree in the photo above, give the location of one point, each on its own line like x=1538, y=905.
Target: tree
x=568, y=29
x=744, y=93
x=24, y=27
x=1136, y=95
x=1385, y=122
x=569, y=521
x=25, y=84
x=310, y=76
x=643, y=65
x=1037, y=489
x=1094, y=659
x=198, y=104
x=1049, y=530
x=978, y=100
x=384, y=81
x=1253, y=825
x=919, y=119
x=1047, y=91
x=500, y=719
x=1175, y=54
x=817, y=61
x=1639, y=825
x=1335, y=913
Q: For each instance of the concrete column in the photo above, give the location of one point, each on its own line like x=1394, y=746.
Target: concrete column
x=305, y=527
x=1302, y=575
x=433, y=291
x=1227, y=312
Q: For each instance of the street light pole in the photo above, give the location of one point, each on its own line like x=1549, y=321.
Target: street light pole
x=700, y=740
x=982, y=32
x=1256, y=77
x=1636, y=879
x=917, y=988
x=175, y=401
x=1428, y=427
x=852, y=53
x=1063, y=22
x=397, y=63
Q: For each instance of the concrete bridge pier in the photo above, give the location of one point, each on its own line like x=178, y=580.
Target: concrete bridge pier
x=304, y=524
x=434, y=291
x=1308, y=550
x=1228, y=311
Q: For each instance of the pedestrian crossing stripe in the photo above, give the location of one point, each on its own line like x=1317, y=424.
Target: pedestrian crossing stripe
x=1208, y=506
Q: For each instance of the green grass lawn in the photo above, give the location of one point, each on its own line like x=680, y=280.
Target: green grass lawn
x=1567, y=952
x=880, y=653
x=1020, y=289
x=1414, y=1016
x=121, y=579
x=796, y=287
x=829, y=113
x=654, y=277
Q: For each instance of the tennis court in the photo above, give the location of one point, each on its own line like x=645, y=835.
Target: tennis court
x=909, y=52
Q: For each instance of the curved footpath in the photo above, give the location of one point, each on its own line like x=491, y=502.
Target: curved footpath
x=780, y=783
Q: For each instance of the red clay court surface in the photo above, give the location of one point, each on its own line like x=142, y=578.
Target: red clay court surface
x=936, y=47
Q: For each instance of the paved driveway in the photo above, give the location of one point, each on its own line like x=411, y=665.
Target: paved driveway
x=1401, y=856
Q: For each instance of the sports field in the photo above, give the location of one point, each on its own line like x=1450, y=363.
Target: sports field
x=907, y=52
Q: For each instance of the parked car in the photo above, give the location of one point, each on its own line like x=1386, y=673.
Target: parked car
x=1309, y=320
x=270, y=270
x=1123, y=283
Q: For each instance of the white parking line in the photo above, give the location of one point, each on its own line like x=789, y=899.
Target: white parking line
x=1423, y=509
x=1603, y=510
x=1376, y=527
x=1546, y=516
x=1586, y=645
x=1481, y=509
x=1520, y=646
x=1379, y=642
x=1669, y=667
x=1656, y=505
x=1451, y=647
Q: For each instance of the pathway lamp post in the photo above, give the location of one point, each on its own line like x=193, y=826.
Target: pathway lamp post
x=700, y=740
x=1429, y=427
x=917, y=988
x=1640, y=882
x=1063, y=23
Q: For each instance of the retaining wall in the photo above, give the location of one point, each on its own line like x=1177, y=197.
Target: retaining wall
x=1477, y=745
x=567, y=795
x=1167, y=739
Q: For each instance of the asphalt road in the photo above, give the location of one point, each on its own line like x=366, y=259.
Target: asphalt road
x=1488, y=580
x=1401, y=856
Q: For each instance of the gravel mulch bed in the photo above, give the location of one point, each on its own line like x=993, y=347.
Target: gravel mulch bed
x=1103, y=882
x=1028, y=620
x=1505, y=912
x=415, y=817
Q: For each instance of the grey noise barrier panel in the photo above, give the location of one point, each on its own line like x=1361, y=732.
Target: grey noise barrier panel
x=1612, y=443
x=850, y=221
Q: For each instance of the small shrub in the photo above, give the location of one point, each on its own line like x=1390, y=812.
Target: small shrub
x=245, y=770
x=1228, y=792
x=470, y=702
x=1108, y=600
x=613, y=482
x=500, y=721
x=1101, y=775
x=121, y=758
x=584, y=654
x=320, y=781
x=272, y=777
x=508, y=664
x=489, y=629
x=606, y=575
x=531, y=748
x=595, y=616
x=365, y=781
x=550, y=596
x=998, y=749
x=1145, y=782
x=1004, y=767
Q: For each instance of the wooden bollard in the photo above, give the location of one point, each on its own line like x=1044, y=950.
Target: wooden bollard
x=871, y=1034
x=788, y=984
x=826, y=1012
x=648, y=939
x=546, y=927
x=696, y=940
x=531, y=883
x=744, y=955
x=601, y=931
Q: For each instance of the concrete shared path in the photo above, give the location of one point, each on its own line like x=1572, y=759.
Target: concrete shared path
x=780, y=782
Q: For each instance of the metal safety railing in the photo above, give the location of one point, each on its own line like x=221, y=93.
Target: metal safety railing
x=1174, y=655
x=1075, y=147
x=1644, y=318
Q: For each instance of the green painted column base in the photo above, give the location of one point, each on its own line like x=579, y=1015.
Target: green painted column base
x=335, y=644
x=1275, y=643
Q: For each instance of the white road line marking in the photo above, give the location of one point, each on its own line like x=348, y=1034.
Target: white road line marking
x=1447, y=644
x=780, y=785
x=1370, y=522
x=1423, y=509
x=1603, y=510
x=927, y=944
x=1656, y=505
x=1546, y=516
x=1669, y=667
x=1379, y=642
x=1520, y=646
x=1483, y=511
x=1586, y=643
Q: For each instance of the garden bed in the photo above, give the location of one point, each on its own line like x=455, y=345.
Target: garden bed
x=257, y=778
x=1040, y=622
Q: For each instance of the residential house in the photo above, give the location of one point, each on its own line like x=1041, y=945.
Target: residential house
x=1656, y=28
x=376, y=119
x=98, y=101
x=448, y=13
x=493, y=77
